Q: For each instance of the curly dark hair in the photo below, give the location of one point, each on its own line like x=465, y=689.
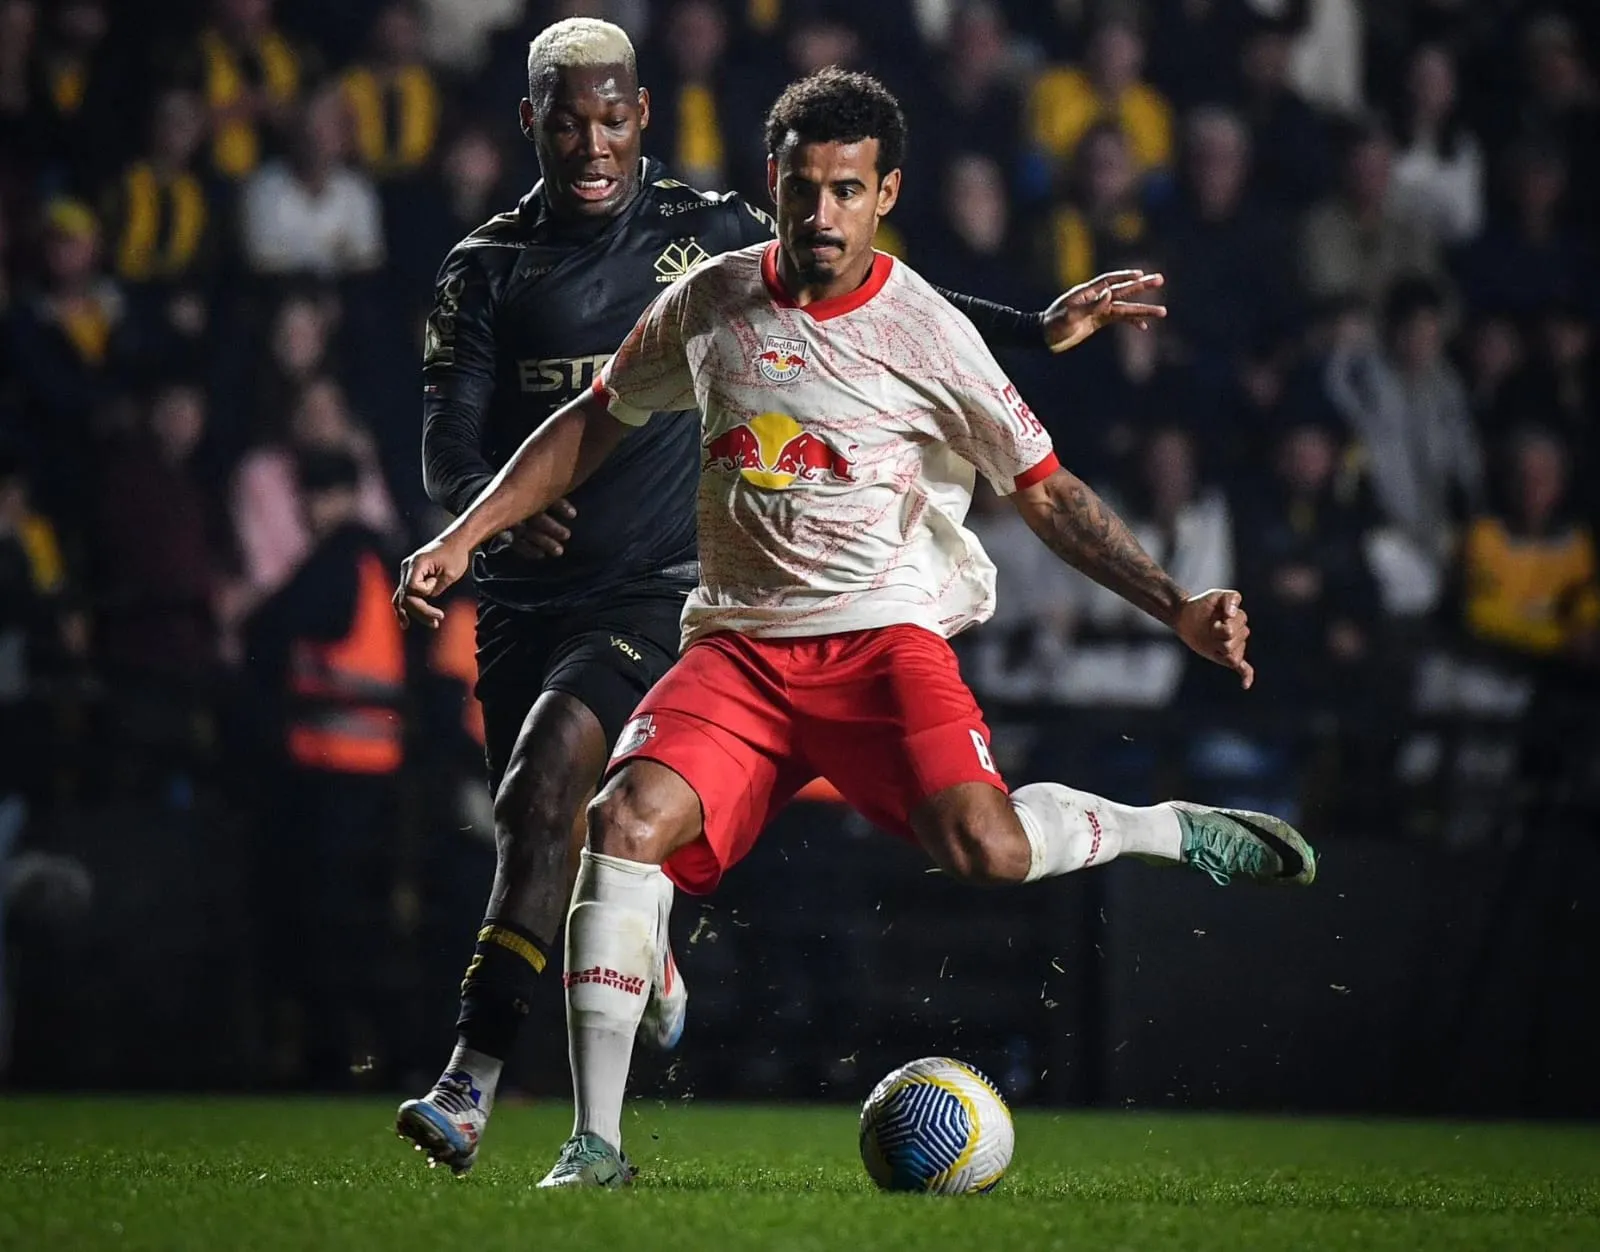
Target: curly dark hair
x=840, y=106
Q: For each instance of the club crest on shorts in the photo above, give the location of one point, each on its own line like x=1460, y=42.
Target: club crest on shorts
x=637, y=733
x=782, y=359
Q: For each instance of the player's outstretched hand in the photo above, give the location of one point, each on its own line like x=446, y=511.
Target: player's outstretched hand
x=428, y=572
x=1214, y=624
x=1120, y=296
x=543, y=534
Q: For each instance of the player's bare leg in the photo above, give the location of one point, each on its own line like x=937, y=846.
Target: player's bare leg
x=616, y=944
x=975, y=832
x=539, y=829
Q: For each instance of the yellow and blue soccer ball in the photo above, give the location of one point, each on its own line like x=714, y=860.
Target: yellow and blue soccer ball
x=938, y=1126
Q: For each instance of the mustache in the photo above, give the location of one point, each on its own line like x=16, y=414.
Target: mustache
x=816, y=241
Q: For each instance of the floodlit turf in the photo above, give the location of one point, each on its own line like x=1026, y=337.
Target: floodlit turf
x=85, y=1174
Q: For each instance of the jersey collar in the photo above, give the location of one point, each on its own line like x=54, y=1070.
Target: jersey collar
x=834, y=306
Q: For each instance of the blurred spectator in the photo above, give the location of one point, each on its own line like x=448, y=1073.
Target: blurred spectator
x=1530, y=258
x=297, y=355
x=1066, y=102
x=430, y=217
x=74, y=71
x=1495, y=354
x=1564, y=105
x=394, y=97
x=1226, y=263
x=975, y=105
x=1194, y=49
x=1355, y=242
x=312, y=213
x=160, y=218
x=1290, y=141
x=1017, y=654
x=328, y=655
x=1125, y=386
x=268, y=514
x=36, y=624
x=1408, y=407
x=1529, y=575
x=1122, y=656
x=972, y=246
x=1103, y=219
x=1439, y=174
x=457, y=35
x=1558, y=388
x=1326, y=60
x=24, y=139
x=696, y=128
x=68, y=342
x=158, y=569
x=1312, y=599
x=250, y=76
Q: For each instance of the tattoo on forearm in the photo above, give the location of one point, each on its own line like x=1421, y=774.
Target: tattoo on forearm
x=1084, y=532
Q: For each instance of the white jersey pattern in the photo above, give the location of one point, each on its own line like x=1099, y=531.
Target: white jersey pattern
x=839, y=443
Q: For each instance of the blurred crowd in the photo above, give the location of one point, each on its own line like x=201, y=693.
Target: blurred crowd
x=1371, y=408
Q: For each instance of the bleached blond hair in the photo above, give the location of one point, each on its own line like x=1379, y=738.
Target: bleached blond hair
x=573, y=42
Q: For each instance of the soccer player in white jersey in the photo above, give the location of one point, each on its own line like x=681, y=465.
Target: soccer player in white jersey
x=846, y=409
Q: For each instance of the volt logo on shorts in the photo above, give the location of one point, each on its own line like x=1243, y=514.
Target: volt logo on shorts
x=640, y=731
x=631, y=983
x=772, y=450
x=627, y=649
x=982, y=749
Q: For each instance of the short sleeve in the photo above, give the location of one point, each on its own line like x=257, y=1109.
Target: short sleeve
x=650, y=371
x=988, y=422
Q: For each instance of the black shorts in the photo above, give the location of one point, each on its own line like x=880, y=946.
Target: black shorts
x=607, y=657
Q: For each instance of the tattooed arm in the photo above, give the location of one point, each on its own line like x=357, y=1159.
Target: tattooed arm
x=1081, y=529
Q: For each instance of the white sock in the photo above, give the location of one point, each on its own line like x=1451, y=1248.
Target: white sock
x=615, y=930
x=484, y=1071
x=1071, y=830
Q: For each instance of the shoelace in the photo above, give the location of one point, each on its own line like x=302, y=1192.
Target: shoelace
x=578, y=1152
x=454, y=1097
x=1221, y=852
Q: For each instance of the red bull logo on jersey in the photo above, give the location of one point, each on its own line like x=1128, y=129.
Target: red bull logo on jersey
x=782, y=359
x=774, y=451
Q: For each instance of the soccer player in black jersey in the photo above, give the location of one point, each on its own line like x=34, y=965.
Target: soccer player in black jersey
x=578, y=609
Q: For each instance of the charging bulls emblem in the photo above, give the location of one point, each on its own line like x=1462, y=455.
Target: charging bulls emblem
x=782, y=359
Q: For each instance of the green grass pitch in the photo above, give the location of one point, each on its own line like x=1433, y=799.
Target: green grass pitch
x=224, y=1174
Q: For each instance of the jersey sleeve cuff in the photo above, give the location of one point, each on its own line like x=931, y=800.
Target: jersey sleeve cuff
x=623, y=412
x=1038, y=473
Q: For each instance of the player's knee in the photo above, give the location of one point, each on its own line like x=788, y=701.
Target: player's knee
x=621, y=825
x=977, y=851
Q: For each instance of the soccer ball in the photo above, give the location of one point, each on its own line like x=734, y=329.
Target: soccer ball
x=936, y=1125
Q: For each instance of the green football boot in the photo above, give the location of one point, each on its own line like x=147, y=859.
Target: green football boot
x=1231, y=844
x=587, y=1160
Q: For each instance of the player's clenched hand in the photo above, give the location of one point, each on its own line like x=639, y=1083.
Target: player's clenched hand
x=1120, y=296
x=1214, y=624
x=543, y=534
x=429, y=572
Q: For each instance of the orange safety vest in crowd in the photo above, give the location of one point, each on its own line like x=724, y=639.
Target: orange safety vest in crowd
x=347, y=693
x=455, y=655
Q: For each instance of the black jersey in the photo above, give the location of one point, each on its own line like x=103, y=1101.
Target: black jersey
x=526, y=311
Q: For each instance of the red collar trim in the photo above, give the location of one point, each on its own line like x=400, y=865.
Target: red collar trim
x=834, y=306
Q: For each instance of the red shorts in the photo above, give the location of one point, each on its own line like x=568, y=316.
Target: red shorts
x=882, y=714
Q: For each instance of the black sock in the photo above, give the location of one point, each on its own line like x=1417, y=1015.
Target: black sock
x=499, y=984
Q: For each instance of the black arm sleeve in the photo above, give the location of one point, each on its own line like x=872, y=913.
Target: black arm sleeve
x=1000, y=325
x=458, y=379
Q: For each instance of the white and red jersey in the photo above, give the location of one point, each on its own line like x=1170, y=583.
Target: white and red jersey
x=839, y=443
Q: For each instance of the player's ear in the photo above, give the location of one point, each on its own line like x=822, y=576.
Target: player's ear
x=525, y=115
x=772, y=178
x=888, y=192
x=644, y=107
